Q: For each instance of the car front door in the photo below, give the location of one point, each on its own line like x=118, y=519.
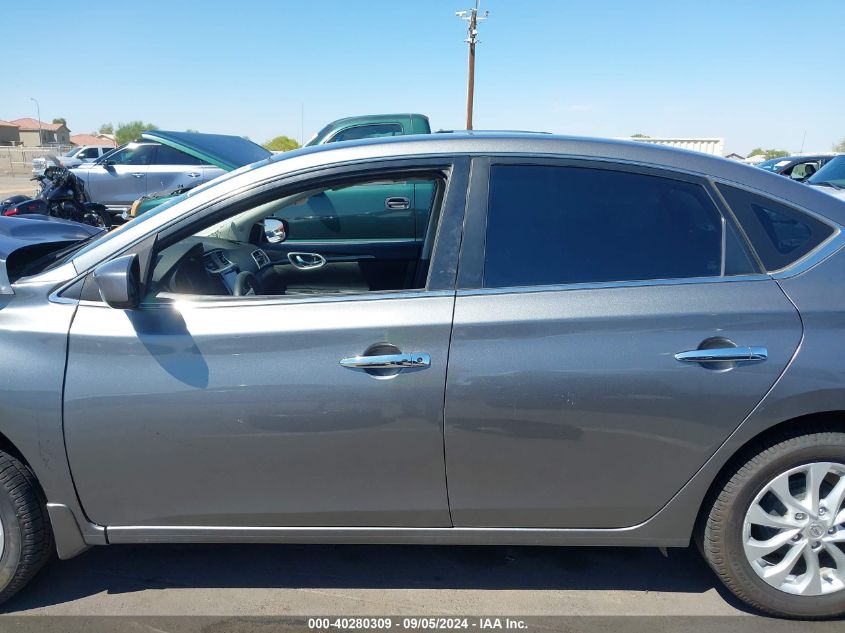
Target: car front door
x=120, y=179
x=580, y=394
x=236, y=411
x=172, y=168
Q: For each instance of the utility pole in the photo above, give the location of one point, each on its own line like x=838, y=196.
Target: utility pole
x=40, y=139
x=471, y=16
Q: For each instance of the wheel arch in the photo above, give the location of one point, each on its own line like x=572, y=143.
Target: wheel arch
x=820, y=421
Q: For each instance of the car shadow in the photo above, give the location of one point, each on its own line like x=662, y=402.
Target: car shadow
x=130, y=568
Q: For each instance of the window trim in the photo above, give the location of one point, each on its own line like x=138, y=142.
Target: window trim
x=473, y=247
x=834, y=242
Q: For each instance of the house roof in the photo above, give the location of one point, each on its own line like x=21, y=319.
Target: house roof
x=33, y=124
x=92, y=139
x=7, y=123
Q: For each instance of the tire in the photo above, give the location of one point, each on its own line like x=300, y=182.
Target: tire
x=27, y=537
x=728, y=526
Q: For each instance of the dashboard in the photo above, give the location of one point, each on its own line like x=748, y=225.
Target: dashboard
x=206, y=265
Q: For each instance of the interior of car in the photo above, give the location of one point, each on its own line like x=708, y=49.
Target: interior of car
x=350, y=237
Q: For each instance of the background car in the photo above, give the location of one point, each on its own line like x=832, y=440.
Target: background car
x=831, y=177
x=159, y=161
x=73, y=157
x=796, y=167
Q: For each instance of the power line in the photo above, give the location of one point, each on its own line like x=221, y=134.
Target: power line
x=473, y=18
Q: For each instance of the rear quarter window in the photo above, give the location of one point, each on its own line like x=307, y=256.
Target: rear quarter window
x=781, y=235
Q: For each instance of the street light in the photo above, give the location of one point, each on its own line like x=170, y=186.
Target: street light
x=40, y=139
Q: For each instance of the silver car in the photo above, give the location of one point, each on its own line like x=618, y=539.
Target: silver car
x=158, y=161
x=558, y=341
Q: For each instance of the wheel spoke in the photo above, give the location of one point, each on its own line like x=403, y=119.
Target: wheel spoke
x=755, y=549
x=838, y=557
x=834, y=498
x=811, y=580
x=777, y=573
x=840, y=518
x=758, y=516
x=816, y=473
x=780, y=488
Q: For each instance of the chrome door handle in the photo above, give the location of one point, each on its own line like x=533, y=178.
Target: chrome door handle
x=306, y=261
x=137, y=175
x=397, y=202
x=193, y=174
x=752, y=354
x=388, y=361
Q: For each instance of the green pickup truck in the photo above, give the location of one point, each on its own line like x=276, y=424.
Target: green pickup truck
x=371, y=126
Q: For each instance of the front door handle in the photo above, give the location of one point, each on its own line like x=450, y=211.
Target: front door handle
x=387, y=361
x=306, y=261
x=194, y=174
x=753, y=354
x=397, y=202
x=138, y=175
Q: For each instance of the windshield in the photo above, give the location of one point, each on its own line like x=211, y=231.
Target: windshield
x=833, y=172
x=319, y=136
x=773, y=164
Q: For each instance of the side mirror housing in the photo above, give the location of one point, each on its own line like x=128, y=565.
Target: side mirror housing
x=275, y=230
x=119, y=281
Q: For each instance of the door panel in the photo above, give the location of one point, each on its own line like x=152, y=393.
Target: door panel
x=118, y=185
x=241, y=415
x=568, y=409
x=368, y=211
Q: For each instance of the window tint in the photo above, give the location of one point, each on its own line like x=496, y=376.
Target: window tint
x=169, y=156
x=368, y=131
x=561, y=225
x=779, y=234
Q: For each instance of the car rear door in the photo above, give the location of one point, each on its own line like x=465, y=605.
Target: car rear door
x=591, y=297
x=172, y=168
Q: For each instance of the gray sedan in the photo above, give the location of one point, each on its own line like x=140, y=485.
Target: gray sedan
x=559, y=341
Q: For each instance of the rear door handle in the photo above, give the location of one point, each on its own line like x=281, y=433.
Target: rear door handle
x=138, y=175
x=388, y=361
x=753, y=354
x=194, y=174
x=397, y=203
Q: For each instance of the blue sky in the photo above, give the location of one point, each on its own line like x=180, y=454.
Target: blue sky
x=753, y=72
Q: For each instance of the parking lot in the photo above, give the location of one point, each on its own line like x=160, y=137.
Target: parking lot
x=262, y=580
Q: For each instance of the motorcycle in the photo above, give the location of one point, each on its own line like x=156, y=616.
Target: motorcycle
x=62, y=196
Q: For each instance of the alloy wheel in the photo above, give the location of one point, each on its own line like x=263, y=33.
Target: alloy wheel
x=794, y=531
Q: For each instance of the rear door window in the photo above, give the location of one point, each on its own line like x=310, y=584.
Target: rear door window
x=551, y=225
x=780, y=234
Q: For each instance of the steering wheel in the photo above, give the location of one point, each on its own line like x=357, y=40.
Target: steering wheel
x=246, y=284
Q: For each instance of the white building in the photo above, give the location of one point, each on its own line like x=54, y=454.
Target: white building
x=714, y=146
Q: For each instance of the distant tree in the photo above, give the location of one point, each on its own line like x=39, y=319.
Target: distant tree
x=840, y=146
x=192, y=131
x=61, y=120
x=639, y=135
x=107, y=128
x=126, y=132
x=281, y=144
x=767, y=153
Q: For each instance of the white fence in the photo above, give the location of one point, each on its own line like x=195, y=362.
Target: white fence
x=18, y=160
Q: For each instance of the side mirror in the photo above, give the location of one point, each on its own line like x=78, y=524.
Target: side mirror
x=119, y=281
x=108, y=164
x=275, y=231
